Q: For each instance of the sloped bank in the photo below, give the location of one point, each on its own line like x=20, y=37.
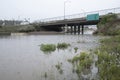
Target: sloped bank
x=109, y=25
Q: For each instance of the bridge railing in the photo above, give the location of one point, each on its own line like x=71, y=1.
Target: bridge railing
x=81, y=15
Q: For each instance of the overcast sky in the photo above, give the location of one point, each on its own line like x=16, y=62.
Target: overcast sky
x=39, y=9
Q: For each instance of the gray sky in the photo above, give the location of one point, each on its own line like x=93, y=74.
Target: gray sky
x=39, y=9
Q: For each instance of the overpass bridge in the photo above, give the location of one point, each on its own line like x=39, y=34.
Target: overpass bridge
x=76, y=22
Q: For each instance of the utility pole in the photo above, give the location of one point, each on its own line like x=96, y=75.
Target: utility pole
x=65, y=7
x=65, y=11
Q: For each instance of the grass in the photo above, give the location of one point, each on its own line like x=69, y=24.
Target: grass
x=9, y=29
x=62, y=45
x=5, y=33
x=108, y=62
x=48, y=48
x=18, y=28
x=109, y=25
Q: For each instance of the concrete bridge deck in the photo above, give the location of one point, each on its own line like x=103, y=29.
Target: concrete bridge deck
x=70, y=22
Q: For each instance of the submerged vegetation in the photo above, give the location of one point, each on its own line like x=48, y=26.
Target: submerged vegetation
x=58, y=66
x=82, y=63
x=52, y=47
x=62, y=45
x=76, y=48
x=48, y=47
x=106, y=58
x=81, y=41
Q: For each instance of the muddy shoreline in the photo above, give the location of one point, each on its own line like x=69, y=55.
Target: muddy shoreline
x=32, y=33
x=45, y=33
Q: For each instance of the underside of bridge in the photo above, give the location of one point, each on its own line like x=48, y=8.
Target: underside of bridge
x=52, y=28
x=71, y=26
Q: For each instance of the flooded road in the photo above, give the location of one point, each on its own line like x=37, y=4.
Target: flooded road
x=22, y=59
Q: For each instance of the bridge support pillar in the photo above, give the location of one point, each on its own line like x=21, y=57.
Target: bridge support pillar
x=78, y=29
x=67, y=29
x=75, y=29
x=82, y=29
x=71, y=29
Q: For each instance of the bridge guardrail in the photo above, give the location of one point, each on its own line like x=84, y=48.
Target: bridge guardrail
x=81, y=15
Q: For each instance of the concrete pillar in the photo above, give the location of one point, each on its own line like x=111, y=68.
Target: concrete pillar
x=67, y=29
x=71, y=29
x=75, y=29
x=82, y=29
x=78, y=29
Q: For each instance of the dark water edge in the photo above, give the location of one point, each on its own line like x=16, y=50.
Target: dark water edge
x=5, y=33
x=45, y=33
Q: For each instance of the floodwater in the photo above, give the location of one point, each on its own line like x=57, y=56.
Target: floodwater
x=22, y=59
